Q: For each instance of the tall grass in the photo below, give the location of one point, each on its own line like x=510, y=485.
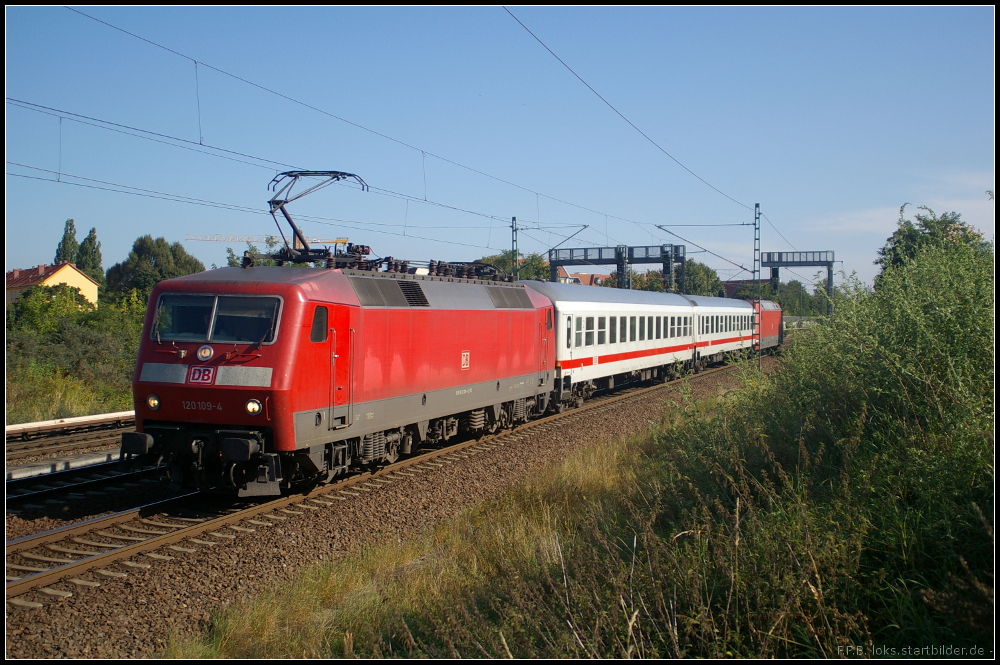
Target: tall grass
x=36, y=391
x=842, y=501
x=63, y=362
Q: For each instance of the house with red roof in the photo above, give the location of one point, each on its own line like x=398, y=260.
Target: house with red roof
x=20, y=280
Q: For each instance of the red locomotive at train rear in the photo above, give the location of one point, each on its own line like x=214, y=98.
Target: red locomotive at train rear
x=253, y=379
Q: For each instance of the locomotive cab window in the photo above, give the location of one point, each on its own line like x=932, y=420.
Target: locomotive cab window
x=199, y=318
x=319, y=326
x=548, y=319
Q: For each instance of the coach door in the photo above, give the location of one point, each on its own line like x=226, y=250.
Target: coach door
x=342, y=370
x=543, y=355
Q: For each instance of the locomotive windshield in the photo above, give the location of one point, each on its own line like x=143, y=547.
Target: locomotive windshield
x=230, y=319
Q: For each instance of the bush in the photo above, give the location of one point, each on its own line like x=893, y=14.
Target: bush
x=65, y=359
x=838, y=502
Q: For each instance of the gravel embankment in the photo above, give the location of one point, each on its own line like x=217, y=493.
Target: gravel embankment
x=134, y=616
x=104, y=446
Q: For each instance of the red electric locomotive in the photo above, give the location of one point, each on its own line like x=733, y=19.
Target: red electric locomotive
x=251, y=379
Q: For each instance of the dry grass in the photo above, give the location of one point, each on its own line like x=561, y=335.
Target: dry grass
x=805, y=512
x=354, y=603
x=37, y=392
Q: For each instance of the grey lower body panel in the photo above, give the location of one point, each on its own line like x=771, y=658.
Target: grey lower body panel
x=311, y=427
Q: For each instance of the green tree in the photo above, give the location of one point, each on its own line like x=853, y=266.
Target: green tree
x=651, y=280
x=234, y=260
x=909, y=237
x=68, y=248
x=88, y=258
x=151, y=261
x=532, y=266
x=42, y=308
x=702, y=280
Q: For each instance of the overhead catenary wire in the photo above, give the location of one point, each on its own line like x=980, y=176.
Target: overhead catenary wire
x=334, y=116
x=424, y=152
x=622, y=116
x=100, y=123
x=178, y=198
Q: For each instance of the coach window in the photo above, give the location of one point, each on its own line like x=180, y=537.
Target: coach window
x=569, y=332
x=319, y=327
x=658, y=328
x=631, y=328
x=649, y=327
x=623, y=329
x=590, y=331
x=602, y=334
x=579, y=331
x=642, y=328
x=614, y=330
x=687, y=326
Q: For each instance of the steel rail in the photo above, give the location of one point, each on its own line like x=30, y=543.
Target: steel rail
x=65, y=424
x=70, y=480
x=25, y=584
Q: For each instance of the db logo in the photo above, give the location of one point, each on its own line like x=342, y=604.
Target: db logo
x=465, y=360
x=201, y=375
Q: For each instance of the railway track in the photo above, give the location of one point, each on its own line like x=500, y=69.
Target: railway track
x=68, y=482
x=67, y=435
x=108, y=547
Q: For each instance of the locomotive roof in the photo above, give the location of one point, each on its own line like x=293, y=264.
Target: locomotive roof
x=312, y=283
x=365, y=288
x=580, y=293
x=255, y=274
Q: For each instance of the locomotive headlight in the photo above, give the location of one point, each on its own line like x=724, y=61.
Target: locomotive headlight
x=205, y=353
x=153, y=402
x=253, y=407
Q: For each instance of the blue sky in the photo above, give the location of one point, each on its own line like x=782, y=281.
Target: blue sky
x=830, y=118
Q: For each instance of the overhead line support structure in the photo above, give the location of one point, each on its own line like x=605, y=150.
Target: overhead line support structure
x=777, y=260
x=623, y=256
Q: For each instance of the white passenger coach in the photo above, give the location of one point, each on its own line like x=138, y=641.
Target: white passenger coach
x=606, y=336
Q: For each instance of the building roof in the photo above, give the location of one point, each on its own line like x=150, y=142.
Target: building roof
x=589, y=279
x=26, y=278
